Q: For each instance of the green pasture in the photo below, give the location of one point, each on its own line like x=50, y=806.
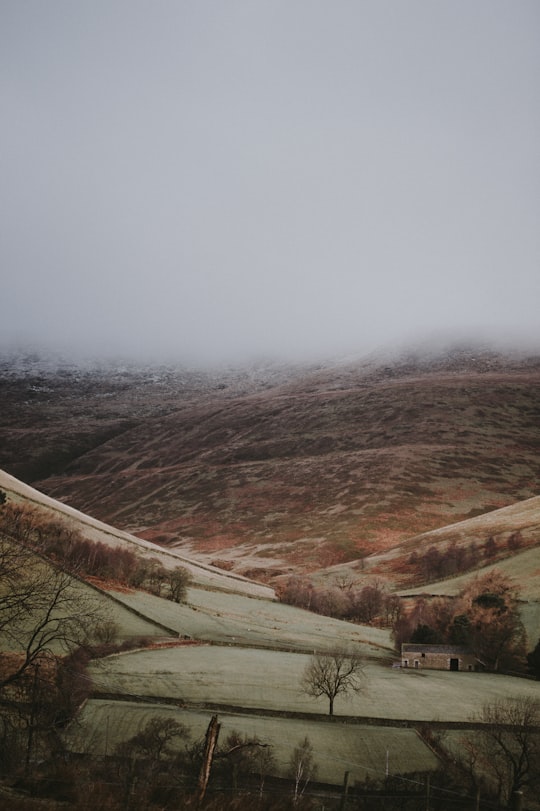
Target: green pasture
x=361, y=750
x=266, y=679
x=240, y=620
x=97, y=603
x=523, y=568
x=129, y=624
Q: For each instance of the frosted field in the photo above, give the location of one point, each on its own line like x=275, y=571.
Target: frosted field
x=523, y=568
x=266, y=679
x=240, y=620
x=361, y=750
x=129, y=624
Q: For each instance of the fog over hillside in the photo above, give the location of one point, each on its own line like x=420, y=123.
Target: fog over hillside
x=274, y=466
x=216, y=182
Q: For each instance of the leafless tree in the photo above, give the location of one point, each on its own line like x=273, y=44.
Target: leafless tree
x=507, y=748
x=146, y=757
x=44, y=614
x=44, y=611
x=332, y=674
x=106, y=631
x=179, y=579
x=302, y=767
x=344, y=581
x=241, y=756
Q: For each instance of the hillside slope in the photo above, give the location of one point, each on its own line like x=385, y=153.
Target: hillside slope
x=202, y=574
x=507, y=539
x=311, y=468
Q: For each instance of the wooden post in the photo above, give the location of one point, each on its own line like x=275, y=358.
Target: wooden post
x=208, y=755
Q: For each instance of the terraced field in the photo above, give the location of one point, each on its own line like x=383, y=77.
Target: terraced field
x=241, y=620
x=361, y=750
x=270, y=681
x=243, y=657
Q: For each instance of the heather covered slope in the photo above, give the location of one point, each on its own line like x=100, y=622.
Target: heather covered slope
x=507, y=538
x=305, y=470
x=202, y=574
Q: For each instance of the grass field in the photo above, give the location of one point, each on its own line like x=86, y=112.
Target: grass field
x=240, y=620
x=359, y=749
x=252, y=676
x=523, y=568
x=101, y=606
x=266, y=679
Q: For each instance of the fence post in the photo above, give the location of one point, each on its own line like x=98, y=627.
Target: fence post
x=210, y=744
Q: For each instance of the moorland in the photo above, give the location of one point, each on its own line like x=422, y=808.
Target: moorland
x=289, y=496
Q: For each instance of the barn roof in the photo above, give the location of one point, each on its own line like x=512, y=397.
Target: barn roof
x=410, y=647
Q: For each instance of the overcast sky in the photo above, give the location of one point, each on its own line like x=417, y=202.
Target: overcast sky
x=215, y=179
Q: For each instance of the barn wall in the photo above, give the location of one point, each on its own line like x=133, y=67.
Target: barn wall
x=437, y=661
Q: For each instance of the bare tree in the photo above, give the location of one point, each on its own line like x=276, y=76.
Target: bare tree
x=241, y=756
x=264, y=764
x=369, y=602
x=507, y=748
x=344, y=581
x=332, y=674
x=156, y=577
x=44, y=614
x=533, y=661
x=44, y=611
x=302, y=767
x=179, y=579
x=147, y=757
x=106, y=631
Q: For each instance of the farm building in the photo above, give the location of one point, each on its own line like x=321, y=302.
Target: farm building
x=438, y=657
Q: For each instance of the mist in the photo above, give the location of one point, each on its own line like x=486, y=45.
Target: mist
x=218, y=181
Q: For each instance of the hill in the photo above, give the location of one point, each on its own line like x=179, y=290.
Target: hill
x=501, y=538
x=202, y=574
x=245, y=659
x=279, y=470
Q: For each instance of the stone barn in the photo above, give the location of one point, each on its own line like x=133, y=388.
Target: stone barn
x=438, y=657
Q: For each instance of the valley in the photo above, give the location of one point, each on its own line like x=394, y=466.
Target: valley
x=334, y=477
x=281, y=469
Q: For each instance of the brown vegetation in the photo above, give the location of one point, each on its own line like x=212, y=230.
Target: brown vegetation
x=484, y=617
x=68, y=549
x=315, y=471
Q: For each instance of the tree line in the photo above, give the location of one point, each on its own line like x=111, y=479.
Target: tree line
x=67, y=548
x=483, y=617
x=368, y=604
x=438, y=563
